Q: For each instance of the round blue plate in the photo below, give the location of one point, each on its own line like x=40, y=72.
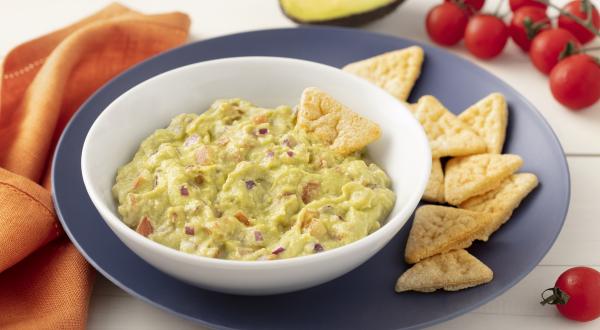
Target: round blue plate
x=364, y=298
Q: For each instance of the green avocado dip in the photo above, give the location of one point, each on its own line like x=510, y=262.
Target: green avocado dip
x=242, y=182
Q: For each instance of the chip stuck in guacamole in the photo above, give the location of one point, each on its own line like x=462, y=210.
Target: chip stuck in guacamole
x=243, y=182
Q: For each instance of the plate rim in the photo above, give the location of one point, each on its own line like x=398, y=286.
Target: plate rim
x=563, y=164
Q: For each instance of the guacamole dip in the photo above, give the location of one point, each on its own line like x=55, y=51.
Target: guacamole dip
x=243, y=182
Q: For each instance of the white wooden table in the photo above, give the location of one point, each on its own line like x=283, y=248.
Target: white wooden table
x=579, y=133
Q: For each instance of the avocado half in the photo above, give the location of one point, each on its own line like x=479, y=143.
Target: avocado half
x=337, y=12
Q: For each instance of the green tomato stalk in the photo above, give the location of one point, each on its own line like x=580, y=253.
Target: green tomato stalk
x=587, y=23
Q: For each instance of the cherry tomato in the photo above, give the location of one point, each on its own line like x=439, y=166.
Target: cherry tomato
x=581, y=33
x=446, y=23
x=526, y=23
x=575, y=81
x=471, y=5
x=486, y=36
x=547, y=46
x=576, y=293
x=516, y=4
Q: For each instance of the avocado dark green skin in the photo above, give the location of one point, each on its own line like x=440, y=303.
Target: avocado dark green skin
x=352, y=20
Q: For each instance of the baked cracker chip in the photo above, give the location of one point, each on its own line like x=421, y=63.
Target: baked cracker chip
x=470, y=176
x=447, y=135
x=396, y=72
x=434, y=192
x=412, y=107
x=488, y=118
x=502, y=201
x=333, y=123
x=452, y=271
x=438, y=229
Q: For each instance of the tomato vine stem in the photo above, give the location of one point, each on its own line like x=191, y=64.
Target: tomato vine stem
x=585, y=23
x=557, y=296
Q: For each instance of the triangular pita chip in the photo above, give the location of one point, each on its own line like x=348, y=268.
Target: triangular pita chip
x=502, y=201
x=412, y=107
x=447, y=135
x=396, y=72
x=333, y=123
x=450, y=271
x=434, y=192
x=438, y=229
x=470, y=176
x=488, y=118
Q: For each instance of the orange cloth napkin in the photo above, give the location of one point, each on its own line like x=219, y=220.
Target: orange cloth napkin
x=44, y=282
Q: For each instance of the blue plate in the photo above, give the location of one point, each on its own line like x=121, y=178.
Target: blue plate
x=364, y=298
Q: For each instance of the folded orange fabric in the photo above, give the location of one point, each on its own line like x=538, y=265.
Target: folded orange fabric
x=44, y=282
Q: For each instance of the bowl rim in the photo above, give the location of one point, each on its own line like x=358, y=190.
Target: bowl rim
x=390, y=228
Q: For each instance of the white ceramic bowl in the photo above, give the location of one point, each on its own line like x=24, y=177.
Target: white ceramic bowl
x=403, y=152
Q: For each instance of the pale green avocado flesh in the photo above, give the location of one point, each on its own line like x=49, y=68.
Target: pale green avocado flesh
x=242, y=182
x=315, y=11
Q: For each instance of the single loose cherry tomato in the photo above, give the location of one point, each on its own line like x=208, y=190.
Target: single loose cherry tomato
x=576, y=293
x=445, y=23
x=526, y=23
x=472, y=6
x=576, y=8
x=516, y=4
x=486, y=36
x=575, y=82
x=547, y=46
